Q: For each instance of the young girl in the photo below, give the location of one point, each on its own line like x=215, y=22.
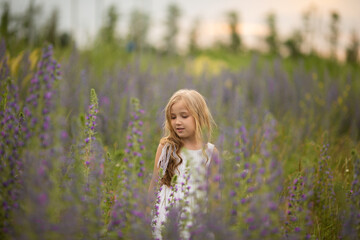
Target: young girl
x=183, y=151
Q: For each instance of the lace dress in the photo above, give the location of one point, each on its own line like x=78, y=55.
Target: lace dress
x=188, y=188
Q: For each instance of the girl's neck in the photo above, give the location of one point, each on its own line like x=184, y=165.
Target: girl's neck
x=192, y=144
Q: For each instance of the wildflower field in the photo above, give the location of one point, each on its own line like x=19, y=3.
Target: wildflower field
x=79, y=134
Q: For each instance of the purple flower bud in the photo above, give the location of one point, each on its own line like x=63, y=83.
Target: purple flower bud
x=45, y=111
x=105, y=100
x=244, y=173
x=34, y=80
x=217, y=178
x=47, y=95
x=249, y=220
x=246, y=166
x=41, y=171
x=42, y=198
x=272, y=206
x=46, y=126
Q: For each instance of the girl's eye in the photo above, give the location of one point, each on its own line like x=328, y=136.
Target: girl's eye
x=173, y=117
x=185, y=116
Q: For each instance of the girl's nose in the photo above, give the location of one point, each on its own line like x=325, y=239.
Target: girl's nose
x=178, y=121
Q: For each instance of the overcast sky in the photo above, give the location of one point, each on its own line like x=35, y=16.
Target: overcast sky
x=90, y=13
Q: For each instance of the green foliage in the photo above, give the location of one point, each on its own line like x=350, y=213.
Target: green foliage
x=235, y=40
x=172, y=28
x=138, y=29
x=107, y=32
x=352, y=51
x=334, y=33
x=310, y=110
x=272, y=38
x=294, y=44
x=193, y=45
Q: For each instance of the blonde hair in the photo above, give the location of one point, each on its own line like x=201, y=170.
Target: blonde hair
x=196, y=105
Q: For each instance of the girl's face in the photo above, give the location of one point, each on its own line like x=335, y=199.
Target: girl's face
x=181, y=121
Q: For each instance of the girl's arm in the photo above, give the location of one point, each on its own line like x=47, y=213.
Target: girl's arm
x=155, y=176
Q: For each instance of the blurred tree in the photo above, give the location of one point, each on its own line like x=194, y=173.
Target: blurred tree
x=51, y=28
x=65, y=40
x=235, y=40
x=5, y=21
x=172, y=28
x=194, y=37
x=107, y=32
x=308, y=20
x=138, y=28
x=334, y=33
x=271, y=38
x=28, y=30
x=294, y=44
x=352, y=51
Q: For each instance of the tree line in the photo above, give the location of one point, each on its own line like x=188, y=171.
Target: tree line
x=25, y=29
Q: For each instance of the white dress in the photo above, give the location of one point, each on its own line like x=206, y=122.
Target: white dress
x=189, y=187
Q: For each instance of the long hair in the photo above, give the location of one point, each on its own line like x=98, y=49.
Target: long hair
x=196, y=105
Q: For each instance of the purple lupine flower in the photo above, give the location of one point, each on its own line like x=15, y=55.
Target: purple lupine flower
x=244, y=174
x=133, y=150
x=217, y=178
x=42, y=198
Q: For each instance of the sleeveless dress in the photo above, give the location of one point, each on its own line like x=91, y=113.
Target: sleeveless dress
x=188, y=187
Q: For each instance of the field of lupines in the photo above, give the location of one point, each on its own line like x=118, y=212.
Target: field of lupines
x=77, y=148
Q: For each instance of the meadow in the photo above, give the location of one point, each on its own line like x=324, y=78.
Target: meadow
x=79, y=132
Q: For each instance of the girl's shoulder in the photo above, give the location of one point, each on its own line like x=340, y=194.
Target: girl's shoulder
x=212, y=151
x=210, y=145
